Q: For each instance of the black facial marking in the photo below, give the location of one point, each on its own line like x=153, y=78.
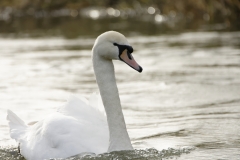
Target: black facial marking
x=121, y=48
x=129, y=55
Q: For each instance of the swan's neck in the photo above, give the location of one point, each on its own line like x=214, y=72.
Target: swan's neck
x=105, y=76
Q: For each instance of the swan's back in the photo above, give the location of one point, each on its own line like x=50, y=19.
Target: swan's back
x=77, y=127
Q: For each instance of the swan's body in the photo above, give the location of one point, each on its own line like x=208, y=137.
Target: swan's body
x=69, y=131
x=80, y=127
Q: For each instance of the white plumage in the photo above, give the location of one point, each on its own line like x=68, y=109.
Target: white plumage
x=81, y=126
x=77, y=127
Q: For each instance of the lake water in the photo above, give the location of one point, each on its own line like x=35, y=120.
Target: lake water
x=185, y=103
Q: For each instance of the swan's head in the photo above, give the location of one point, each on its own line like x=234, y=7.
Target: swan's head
x=114, y=46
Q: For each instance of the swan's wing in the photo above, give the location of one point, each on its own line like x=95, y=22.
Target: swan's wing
x=74, y=105
x=76, y=127
x=60, y=135
x=77, y=105
x=17, y=126
x=96, y=102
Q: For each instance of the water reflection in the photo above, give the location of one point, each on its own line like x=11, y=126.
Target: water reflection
x=68, y=20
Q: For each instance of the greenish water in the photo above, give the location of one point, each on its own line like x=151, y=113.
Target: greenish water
x=185, y=104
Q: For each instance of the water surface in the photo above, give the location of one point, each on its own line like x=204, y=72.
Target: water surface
x=188, y=95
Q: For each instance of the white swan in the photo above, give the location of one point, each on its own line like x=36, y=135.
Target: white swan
x=79, y=127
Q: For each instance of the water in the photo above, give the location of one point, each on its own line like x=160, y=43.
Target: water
x=185, y=103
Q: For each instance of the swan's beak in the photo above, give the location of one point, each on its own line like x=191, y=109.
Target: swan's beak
x=128, y=58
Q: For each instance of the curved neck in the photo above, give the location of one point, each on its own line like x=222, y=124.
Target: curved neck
x=104, y=71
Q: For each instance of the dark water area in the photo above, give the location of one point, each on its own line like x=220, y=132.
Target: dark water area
x=140, y=19
x=75, y=27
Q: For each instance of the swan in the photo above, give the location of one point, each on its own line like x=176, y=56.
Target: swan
x=79, y=126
